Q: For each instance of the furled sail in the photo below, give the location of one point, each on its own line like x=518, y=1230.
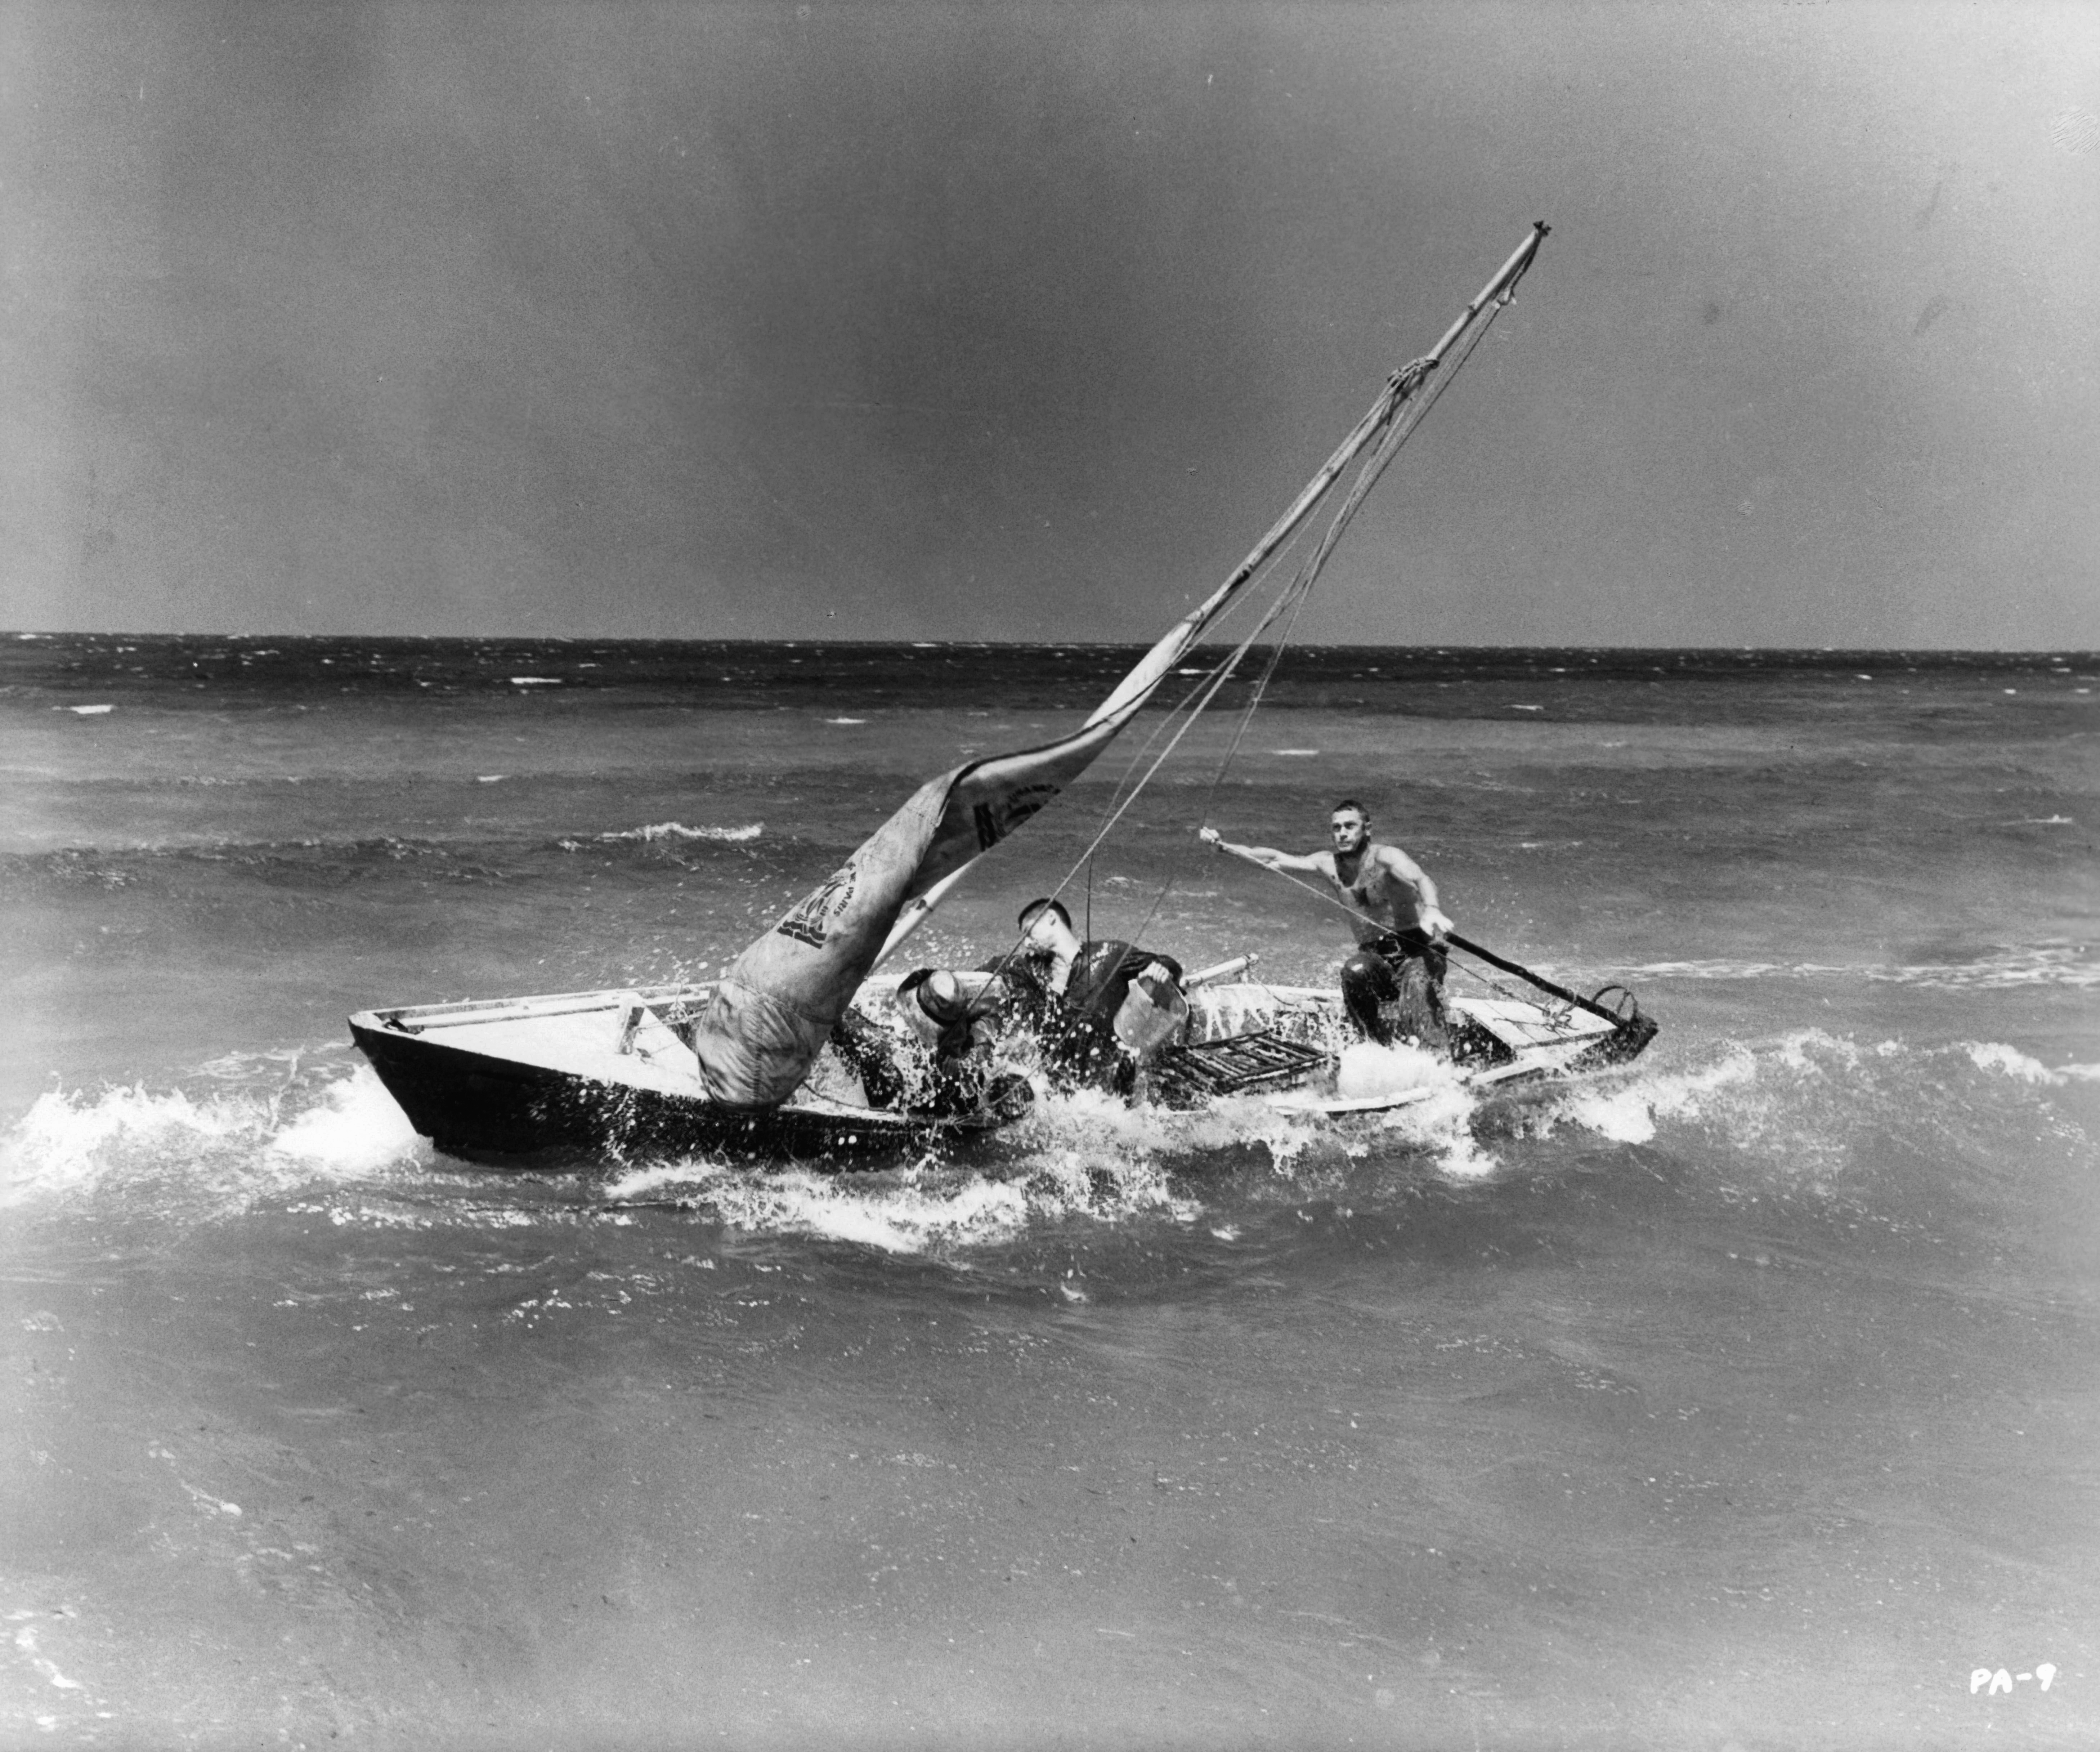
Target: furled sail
x=772, y=1012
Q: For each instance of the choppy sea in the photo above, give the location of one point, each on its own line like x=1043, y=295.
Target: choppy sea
x=1746, y=1398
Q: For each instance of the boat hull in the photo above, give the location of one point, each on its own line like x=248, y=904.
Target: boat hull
x=503, y=1108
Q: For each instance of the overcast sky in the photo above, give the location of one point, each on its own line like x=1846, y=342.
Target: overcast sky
x=1022, y=321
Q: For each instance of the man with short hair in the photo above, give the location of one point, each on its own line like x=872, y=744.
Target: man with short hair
x=1072, y=993
x=1393, y=984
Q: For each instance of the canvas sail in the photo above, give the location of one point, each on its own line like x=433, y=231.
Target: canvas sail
x=773, y=1011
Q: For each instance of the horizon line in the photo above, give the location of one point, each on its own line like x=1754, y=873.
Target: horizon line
x=34, y=635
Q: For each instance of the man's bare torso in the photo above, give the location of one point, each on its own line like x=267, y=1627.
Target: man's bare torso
x=1380, y=899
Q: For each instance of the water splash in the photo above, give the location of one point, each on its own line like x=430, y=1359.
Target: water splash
x=209, y=1153
x=1368, y=1069
x=916, y=1210
x=1080, y=1155
x=69, y=1141
x=1446, y=1127
x=1805, y=1102
x=356, y=1127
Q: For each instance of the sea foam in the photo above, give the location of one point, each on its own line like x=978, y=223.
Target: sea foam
x=678, y=830
x=355, y=1126
x=205, y=1154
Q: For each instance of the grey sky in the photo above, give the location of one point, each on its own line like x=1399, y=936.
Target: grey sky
x=996, y=321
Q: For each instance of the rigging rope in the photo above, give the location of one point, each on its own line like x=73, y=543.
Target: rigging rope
x=1409, y=411
x=1207, y=689
x=1405, y=413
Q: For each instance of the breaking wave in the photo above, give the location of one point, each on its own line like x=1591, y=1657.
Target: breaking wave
x=206, y=1152
x=1080, y=1156
x=1810, y=1103
x=1083, y=1155
x=916, y=1210
x=678, y=830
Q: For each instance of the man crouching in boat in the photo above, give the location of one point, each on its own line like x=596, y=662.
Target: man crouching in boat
x=945, y=1069
x=1096, y=1011
x=1096, y=1007
x=1393, y=985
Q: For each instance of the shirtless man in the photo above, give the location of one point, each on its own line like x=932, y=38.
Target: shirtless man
x=1392, y=985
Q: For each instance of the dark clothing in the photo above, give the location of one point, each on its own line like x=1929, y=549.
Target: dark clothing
x=959, y=1033
x=1076, y=1031
x=1394, y=989
x=947, y=1079
x=872, y=1055
x=1102, y=972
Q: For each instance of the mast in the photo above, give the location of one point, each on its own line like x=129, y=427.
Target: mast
x=1143, y=680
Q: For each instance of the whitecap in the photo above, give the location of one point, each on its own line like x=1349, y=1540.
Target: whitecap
x=1716, y=969
x=1088, y=1155
x=1628, y=1112
x=1443, y=1126
x=536, y=680
x=1802, y=1103
x=1804, y=1049
x=1625, y=1116
x=2008, y=1060
x=70, y=1139
x=912, y=1217
x=678, y=830
x=198, y=1156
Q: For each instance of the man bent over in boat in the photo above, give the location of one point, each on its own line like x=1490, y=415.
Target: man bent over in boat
x=1097, y=1007
x=946, y=1071
x=1393, y=985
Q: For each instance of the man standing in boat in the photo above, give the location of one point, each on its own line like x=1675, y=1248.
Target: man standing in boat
x=1393, y=985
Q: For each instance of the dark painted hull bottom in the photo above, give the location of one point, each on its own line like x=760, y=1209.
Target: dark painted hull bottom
x=499, y=1113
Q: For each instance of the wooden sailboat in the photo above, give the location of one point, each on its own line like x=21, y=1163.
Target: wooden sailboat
x=727, y=1064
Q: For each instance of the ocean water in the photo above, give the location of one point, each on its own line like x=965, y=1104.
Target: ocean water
x=1745, y=1398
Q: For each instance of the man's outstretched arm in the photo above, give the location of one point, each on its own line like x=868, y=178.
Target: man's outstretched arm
x=1264, y=855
